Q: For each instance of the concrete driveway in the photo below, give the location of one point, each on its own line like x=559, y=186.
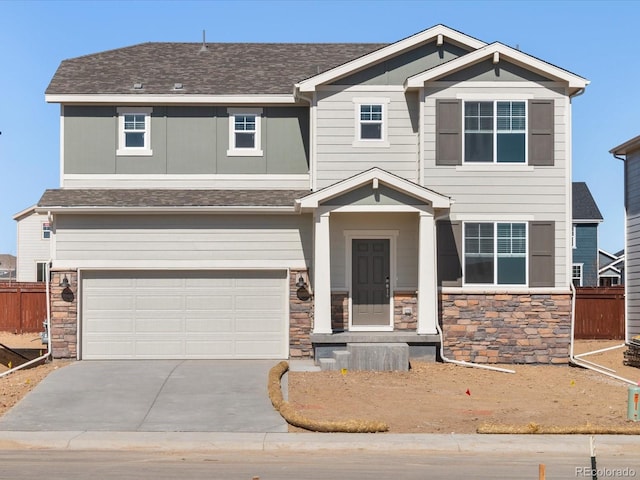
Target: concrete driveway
x=151, y=396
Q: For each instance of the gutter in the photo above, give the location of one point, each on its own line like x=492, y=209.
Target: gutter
x=48, y=324
x=577, y=361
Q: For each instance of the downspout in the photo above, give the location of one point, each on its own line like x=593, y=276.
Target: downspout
x=583, y=363
x=48, y=323
x=462, y=362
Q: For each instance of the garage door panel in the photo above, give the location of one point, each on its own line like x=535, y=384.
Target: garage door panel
x=193, y=314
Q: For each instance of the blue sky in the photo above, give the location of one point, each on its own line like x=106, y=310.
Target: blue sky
x=597, y=40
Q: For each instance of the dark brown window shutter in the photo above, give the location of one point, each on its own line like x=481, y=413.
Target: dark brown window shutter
x=448, y=132
x=542, y=254
x=541, y=132
x=449, y=238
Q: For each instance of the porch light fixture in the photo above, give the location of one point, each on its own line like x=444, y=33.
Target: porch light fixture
x=65, y=283
x=301, y=283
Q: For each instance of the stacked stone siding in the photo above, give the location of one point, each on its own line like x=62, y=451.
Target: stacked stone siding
x=64, y=315
x=401, y=320
x=507, y=328
x=300, y=320
x=339, y=311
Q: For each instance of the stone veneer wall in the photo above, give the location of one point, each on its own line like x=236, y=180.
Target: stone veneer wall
x=507, y=328
x=339, y=311
x=401, y=320
x=64, y=315
x=300, y=319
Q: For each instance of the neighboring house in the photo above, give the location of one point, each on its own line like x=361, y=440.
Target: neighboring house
x=611, y=268
x=7, y=268
x=629, y=152
x=34, y=242
x=284, y=200
x=584, y=237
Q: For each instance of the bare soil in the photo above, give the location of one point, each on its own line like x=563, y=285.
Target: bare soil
x=431, y=397
x=446, y=398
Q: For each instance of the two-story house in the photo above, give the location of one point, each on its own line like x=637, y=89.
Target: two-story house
x=584, y=237
x=284, y=200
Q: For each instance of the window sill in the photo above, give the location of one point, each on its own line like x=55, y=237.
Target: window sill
x=245, y=153
x=134, y=152
x=492, y=167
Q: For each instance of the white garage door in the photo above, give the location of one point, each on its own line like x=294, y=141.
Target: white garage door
x=164, y=314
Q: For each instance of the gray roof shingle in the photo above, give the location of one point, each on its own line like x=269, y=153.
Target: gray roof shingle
x=132, y=198
x=222, y=69
x=584, y=206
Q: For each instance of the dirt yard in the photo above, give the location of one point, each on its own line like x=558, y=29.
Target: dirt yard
x=432, y=398
x=445, y=398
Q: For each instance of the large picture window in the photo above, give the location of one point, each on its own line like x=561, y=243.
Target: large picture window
x=495, y=253
x=495, y=132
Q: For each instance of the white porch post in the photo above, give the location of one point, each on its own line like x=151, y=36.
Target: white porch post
x=427, y=289
x=322, y=275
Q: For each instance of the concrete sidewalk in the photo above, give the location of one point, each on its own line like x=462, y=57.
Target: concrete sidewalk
x=300, y=442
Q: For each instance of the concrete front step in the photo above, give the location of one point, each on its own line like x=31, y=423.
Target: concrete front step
x=368, y=356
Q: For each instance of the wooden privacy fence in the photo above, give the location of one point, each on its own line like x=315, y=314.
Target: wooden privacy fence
x=23, y=307
x=599, y=313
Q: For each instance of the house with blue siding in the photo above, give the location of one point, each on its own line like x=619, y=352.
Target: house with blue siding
x=584, y=237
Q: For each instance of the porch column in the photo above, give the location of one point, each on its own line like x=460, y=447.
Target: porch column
x=427, y=289
x=322, y=275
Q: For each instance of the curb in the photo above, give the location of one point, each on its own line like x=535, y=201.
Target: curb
x=308, y=442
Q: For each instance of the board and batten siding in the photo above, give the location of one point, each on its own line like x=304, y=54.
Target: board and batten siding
x=32, y=248
x=340, y=156
x=183, y=241
x=632, y=247
x=499, y=191
x=186, y=141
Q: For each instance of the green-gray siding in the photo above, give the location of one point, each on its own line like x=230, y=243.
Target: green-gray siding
x=185, y=140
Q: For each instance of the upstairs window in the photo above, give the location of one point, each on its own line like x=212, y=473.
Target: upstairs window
x=576, y=274
x=135, y=131
x=370, y=122
x=244, y=132
x=46, y=231
x=495, y=253
x=495, y=132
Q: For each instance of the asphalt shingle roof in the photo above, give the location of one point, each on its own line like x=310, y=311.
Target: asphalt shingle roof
x=169, y=198
x=584, y=206
x=221, y=69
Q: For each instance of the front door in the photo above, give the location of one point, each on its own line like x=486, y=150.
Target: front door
x=371, y=288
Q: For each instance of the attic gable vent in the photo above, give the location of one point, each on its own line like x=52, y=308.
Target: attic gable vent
x=137, y=86
x=178, y=86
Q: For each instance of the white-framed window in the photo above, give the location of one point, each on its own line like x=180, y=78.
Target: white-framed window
x=41, y=271
x=245, y=126
x=495, y=253
x=134, y=131
x=46, y=231
x=576, y=274
x=371, y=122
x=495, y=131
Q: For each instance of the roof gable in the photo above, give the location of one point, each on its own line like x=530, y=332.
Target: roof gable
x=496, y=52
x=375, y=176
x=437, y=33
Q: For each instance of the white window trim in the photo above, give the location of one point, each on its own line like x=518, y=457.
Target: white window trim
x=581, y=265
x=42, y=231
x=38, y=263
x=495, y=256
x=495, y=100
x=382, y=142
x=256, y=151
x=137, y=151
x=574, y=236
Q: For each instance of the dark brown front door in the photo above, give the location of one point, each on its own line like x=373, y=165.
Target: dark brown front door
x=371, y=286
